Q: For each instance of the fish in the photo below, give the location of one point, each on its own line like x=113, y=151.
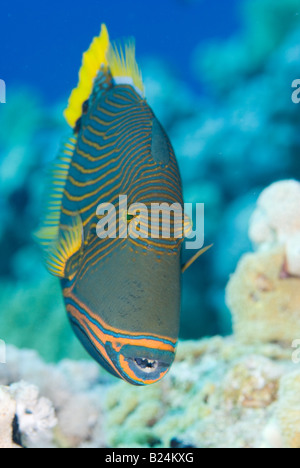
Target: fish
x=122, y=294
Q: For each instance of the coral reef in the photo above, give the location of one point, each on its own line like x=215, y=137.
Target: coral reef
x=277, y=221
x=219, y=393
x=264, y=292
x=56, y=405
x=7, y=417
x=265, y=304
x=23, y=411
x=35, y=414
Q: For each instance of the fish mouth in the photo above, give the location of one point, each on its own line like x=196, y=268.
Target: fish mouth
x=143, y=370
x=143, y=366
x=146, y=365
x=140, y=365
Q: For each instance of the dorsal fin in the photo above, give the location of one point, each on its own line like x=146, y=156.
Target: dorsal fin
x=113, y=60
x=123, y=65
x=92, y=61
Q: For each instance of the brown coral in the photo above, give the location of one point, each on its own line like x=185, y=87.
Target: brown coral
x=252, y=383
x=265, y=304
x=276, y=220
x=288, y=413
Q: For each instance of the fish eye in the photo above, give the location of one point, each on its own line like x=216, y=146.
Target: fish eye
x=130, y=216
x=146, y=365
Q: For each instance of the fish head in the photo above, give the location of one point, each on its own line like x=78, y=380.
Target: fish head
x=126, y=310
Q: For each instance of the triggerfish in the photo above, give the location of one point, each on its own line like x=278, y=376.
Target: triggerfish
x=122, y=293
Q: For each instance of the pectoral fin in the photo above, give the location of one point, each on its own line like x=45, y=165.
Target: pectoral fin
x=195, y=257
x=62, y=256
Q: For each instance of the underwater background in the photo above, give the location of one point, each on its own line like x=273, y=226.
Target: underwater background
x=219, y=77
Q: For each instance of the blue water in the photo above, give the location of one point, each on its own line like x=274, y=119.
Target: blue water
x=41, y=43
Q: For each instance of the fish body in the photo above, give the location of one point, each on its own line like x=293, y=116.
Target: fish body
x=122, y=292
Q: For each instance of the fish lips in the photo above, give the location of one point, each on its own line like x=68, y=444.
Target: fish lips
x=140, y=365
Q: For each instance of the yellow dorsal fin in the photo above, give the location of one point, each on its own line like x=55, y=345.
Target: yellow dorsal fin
x=101, y=54
x=123, y=65
x=68, y=243
x=93, y=59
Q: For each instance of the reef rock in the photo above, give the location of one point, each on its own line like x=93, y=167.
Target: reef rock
x=55, y=405
x=7, y=415
x=264, y=302
x=218, y=394
x=263, y=294
x=277, y=221
x=25, y=416
x=288, y=411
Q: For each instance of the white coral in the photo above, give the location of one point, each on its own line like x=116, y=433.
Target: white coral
x=7, y=414
x=277, y=221
x=36, y=416
x=293, y=255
